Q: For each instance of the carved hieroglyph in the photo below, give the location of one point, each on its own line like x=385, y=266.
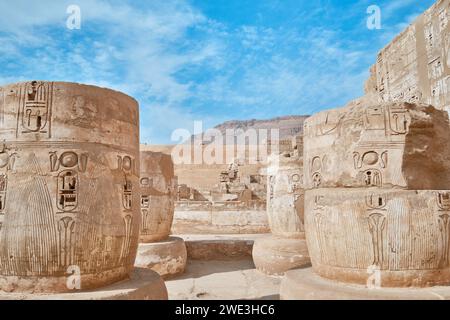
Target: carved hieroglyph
x=377, y=181
x=285, y=196
x=415, y=66
x=69, y=185
x=157, y=196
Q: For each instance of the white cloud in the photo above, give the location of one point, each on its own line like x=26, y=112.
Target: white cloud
x=299, y=73
x=394, y=5
x=135, y=52
x=182, y=65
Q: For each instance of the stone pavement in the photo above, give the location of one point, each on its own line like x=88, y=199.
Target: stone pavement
x=228, y=280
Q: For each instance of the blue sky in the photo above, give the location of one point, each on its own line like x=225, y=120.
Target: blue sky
x=213, y=61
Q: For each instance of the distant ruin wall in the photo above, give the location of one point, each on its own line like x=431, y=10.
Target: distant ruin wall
x=415, y=66
x=227, y=217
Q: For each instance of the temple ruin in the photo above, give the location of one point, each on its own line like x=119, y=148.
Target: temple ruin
x=229, y=197
x=415, y=66
x=341, y=203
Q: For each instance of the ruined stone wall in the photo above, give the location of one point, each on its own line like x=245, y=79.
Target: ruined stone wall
x=226, y=217
x=204, y=178
x=206, y=208
x=230, y=196
x=415, y=66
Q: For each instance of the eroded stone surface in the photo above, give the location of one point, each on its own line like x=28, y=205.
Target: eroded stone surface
x=377, y=199
x=285, y=196
x=159, y=252
x=157, y=196
x=69, y=186
x=304, y=284
x=225, y=217
x=415, y=66
x=220, y=247
x=167, y=257
x=223, y=280
x=286, y=249
x=142, y=284
x=393, y=145
x=275, y=255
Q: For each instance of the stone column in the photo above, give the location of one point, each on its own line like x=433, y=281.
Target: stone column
x=158, y=251
x=286, y=248
x=377, y=200
x=69, y=187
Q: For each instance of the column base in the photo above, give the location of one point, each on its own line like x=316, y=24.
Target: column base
x=274, y=255
x=167, y=257
x=304, y=284
x=143, y=284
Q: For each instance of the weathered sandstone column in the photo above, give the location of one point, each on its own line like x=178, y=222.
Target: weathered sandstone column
x=158, y=251
x=157, y=196
x=377, y=200
x=69, y=187
x=286, y=248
